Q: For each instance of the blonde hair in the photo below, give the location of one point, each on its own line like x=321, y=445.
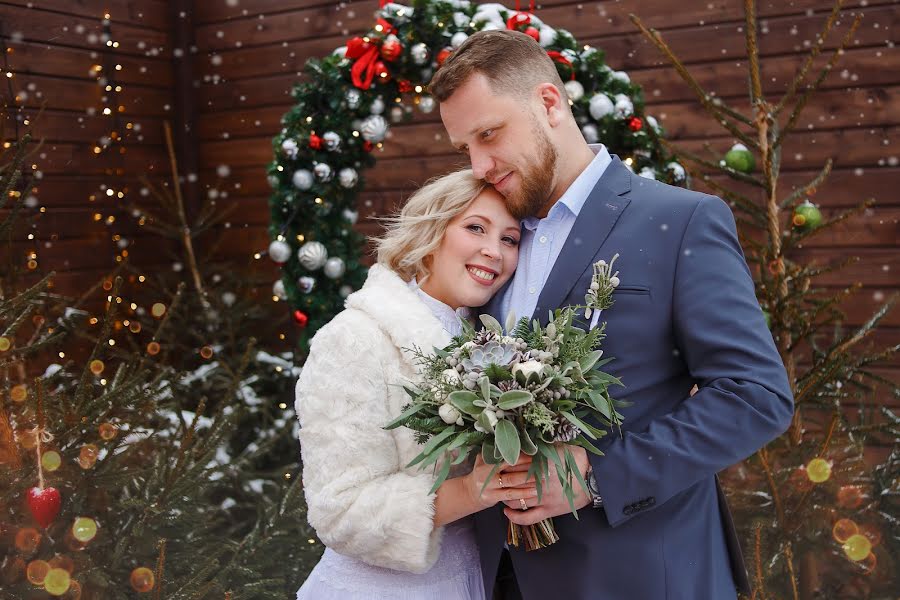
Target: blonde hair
x=417, y=230
x=513, y=63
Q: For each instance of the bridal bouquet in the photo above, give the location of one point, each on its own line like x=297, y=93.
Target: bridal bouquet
x=527, y=390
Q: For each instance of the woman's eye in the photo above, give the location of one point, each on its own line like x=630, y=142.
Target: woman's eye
x=476, y=228
x=511, y=241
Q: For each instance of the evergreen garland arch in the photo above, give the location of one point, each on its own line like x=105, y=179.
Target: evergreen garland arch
x=344, y=110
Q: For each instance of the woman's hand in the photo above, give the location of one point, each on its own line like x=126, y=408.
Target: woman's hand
x=506, y=485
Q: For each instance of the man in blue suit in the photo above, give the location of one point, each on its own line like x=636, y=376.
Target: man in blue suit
x=655, y=524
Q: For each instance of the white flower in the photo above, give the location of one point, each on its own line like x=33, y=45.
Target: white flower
x=451, y=376
x=614, y=281
x=529, y=368
x=449, y=414
x=491, y=417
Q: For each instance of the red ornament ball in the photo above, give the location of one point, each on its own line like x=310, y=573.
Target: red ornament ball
x=368, y=146
x=534, y=33
x=315, y=142
x=300, y=318
x=391, y=48
x=44, y=504
x=381, y=72
x=404, y=85
x=635, y=124
x=442, y=55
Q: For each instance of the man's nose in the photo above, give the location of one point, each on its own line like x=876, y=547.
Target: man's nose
x=482, y=163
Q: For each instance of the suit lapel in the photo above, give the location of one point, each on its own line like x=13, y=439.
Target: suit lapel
x=603, y=207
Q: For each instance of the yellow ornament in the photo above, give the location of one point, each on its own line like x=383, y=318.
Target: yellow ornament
x=818, y=470
x=153, y=348
x=206, y=352
x=107, y=431
x=5, y=344
x=18, y=393
x=84, y=529
x=857, y=547
x=143, y=579
x=57, y=582
x=158, y=310
x=843, y=529
x=27, y=540
x=87, y=457
x=37, y=572
x=97, y=366
x=51, y=460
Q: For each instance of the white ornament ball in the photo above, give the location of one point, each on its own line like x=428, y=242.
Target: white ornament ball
x=601, y=106
x=303, y=179
x=374, y=128
x=490, y=27
x=377, y=106
x=590, y=133
x=353, y=98
x=647, y=173
x=457, y=40
x=342, y=51
x=229, y=298
x=570, y=55
x=322, y=171
x=334, y=267
x=461, y=20
x=278, y=290
x=306, y=284
x=420, y=54
x=345, y=291
x=547, y=36
x=279, y=251
x=624, y=107
x=678, y=171
x=575, y=90
x=652, y=122
x=347, y=177
x=332, y=140
x=621, y=76
x=350, y=216
x=312, y=255
x=426, y=104
x=289, y=146
x=396, y=114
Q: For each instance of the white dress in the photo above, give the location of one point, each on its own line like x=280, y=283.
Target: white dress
x=455, y=576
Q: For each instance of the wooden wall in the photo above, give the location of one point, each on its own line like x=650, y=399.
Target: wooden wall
x=251, y=54
x=51, y=48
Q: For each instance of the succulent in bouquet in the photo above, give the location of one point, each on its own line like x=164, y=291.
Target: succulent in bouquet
x=533, y=389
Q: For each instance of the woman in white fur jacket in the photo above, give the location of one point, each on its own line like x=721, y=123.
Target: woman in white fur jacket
x=453, y=246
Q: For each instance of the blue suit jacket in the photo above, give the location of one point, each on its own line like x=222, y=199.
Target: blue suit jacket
x=685, y=313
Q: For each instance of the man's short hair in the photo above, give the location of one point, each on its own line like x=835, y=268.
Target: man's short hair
x=513, y=63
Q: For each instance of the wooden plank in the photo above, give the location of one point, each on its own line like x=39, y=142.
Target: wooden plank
x=84, y=95
x=72, y=127
x=39, y=25
x=145, y=13
x=95, y=252
x=68, y=158
x=47, y=59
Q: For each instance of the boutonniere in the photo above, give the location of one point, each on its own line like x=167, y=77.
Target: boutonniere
x=599, y=295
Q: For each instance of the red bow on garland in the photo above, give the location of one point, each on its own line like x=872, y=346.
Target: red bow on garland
x=365, y=52
x=558, y=57
x=520, y=18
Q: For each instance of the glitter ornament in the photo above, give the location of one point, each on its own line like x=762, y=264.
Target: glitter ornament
x=353, y=98
x=51, y=460
x=279, y=252
x=300, y=318
x=740, y=159
x=107, y=431
x=37, y=572
x=374, y=128
x=312, y=255
x=348, y=177
x=818, y=470
x=857, y=547
x=84, y=529
x=322, y=171
x=427, y=104
x=850, y=496
x=843, y=529
x=142, y=579
x=332, y=140
x=574, y=90
x=302, y=179
x=57, y=582
x=87, y=457
x=27, y=540
x=420, y=54
x=306, y=284
x=278, y=290
x=334, y=267
x=206, y=352
x=600, y=106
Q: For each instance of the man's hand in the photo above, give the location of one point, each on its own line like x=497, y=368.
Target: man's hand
x=553, y=501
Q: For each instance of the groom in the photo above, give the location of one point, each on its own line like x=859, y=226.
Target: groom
x=655, y=524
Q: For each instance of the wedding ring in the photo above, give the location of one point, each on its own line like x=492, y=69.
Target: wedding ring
x=523, y=504
x=500, y=479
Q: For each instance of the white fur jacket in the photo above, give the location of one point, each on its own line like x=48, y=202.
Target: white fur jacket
x=362, y=501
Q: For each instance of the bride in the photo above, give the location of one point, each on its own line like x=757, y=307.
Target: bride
x=453, y=246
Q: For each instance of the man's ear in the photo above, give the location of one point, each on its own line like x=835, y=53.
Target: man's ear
x=553, y=104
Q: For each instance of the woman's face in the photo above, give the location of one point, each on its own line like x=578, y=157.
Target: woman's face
x=477, y=255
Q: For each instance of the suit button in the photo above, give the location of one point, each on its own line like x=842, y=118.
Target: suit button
x=628, y=510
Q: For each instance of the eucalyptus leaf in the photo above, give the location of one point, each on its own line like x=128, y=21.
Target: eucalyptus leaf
x=464, y=402
x=578, y=423
x=528, y=446
x=507, y=439
x=588, y=361
x=491, y=323
x=514, y=399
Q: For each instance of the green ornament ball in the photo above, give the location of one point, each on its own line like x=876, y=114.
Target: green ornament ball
x=768, y=317
x=807, y=216
x=740, y=159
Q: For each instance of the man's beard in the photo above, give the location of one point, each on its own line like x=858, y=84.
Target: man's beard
x=537, y=182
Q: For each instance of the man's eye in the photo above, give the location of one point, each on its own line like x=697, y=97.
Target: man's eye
x=487, y=133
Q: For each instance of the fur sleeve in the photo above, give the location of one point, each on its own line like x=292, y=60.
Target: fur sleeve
x=361, y=502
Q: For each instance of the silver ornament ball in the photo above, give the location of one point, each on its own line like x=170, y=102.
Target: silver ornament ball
x=575, y=90
x=332, y=140
x=601, y=106
x=279, y=251
x=278, y=290
x=590, y=133
x=457, y=40
x=377, y=106
x=353, y=98
x=420, y=54
x=426, y=104
x=306, y=284
x=303, y=179
x=345, y=291
x=374, y=128
x=312, y=255
x=347, y=177
x=322, y=171
x=350, y=216
x=334, y=267
x=289, y=146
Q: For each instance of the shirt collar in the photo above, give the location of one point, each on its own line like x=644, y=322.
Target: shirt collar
x=576, y=195
x=449, y=318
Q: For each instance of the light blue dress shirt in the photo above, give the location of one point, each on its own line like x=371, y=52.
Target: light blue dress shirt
x=543, y=239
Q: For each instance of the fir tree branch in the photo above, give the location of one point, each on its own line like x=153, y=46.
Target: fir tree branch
x=795, y=239
x=756, y=94
x=713, y=166
x=809, y=188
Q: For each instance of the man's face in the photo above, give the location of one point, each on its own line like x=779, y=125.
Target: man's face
x=506, y=141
